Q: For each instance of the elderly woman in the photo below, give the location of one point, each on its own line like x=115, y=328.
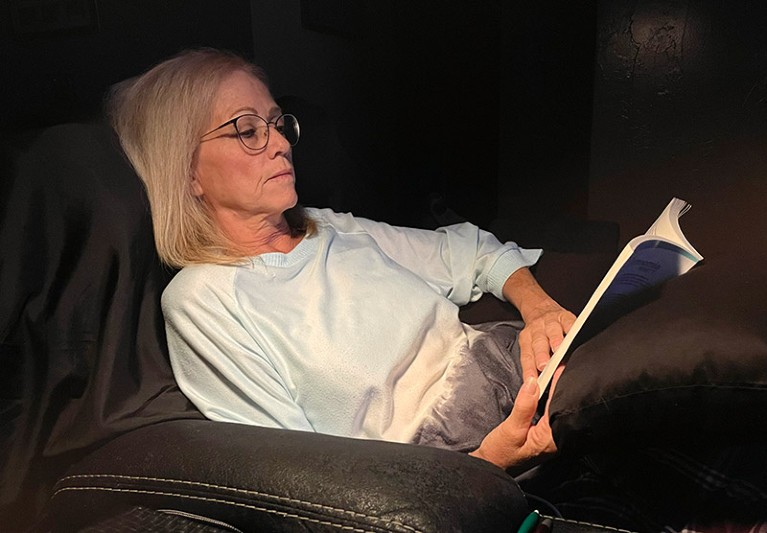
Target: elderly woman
x=314, y=320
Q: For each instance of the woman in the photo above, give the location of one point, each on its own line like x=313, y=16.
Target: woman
x=314, y=320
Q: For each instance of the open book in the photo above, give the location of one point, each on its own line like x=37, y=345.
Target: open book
x=646, y=261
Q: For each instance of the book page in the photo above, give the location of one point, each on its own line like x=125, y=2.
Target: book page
x=667, y=225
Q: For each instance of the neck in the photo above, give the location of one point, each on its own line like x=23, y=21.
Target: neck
x=257, y=236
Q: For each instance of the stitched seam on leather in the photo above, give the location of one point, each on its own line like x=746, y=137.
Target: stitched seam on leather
x=245, y=505
x=236, y=490
x=556, y=519
x=233, y=489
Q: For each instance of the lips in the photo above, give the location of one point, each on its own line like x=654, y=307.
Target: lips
x=282, y=174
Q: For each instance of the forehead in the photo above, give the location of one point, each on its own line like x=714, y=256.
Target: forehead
x=241, y=92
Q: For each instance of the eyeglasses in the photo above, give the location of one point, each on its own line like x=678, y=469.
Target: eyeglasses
x=253, y=131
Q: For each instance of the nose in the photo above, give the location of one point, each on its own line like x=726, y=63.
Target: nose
x=277, y=141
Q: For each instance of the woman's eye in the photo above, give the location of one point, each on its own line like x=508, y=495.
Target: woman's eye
x=248, y=133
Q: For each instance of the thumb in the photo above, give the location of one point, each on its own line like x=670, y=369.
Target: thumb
x=506, y=445
x=524, y=409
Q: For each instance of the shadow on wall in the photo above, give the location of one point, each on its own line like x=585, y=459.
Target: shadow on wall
x=54, y=75
x=680, y=109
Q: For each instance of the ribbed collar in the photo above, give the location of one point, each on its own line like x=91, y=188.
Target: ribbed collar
x=306, y=248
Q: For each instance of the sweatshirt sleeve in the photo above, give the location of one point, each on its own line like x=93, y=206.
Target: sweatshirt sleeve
x=216, y=362
x=460, y=261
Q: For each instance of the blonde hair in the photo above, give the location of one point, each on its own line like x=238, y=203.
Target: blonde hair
x=159, y=118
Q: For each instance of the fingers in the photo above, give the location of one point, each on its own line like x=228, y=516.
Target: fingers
x=516, y=443
x=527, y=355
x=518, y=422
x=540, y=338
x=530, y=442
x=555, y=332
x=542, y=350
x=534, y=349
x=567, y=320
x=506, y=444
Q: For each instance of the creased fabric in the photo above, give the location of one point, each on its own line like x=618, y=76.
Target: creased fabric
x=355, y=332
x=82, y=346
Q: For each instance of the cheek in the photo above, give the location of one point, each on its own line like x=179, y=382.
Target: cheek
x=217, y=171
x=210, y=165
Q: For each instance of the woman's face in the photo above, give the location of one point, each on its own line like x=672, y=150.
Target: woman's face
x=240, y=184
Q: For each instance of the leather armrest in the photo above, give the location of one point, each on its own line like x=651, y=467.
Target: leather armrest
x=287, y=481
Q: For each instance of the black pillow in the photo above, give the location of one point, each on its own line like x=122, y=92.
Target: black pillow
x=688, y=366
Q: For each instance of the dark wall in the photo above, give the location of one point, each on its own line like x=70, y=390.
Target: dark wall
x=484, y=103
x=51, y=75
x=412, y=89
x=434, y=102
x=680, y=109
x=547, y=72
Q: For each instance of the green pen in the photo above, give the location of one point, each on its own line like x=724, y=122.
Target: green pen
x=529, y=523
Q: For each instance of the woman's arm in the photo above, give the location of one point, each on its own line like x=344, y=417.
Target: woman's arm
x=461, y=262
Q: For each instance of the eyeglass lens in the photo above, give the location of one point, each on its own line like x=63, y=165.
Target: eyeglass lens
x=254, y=130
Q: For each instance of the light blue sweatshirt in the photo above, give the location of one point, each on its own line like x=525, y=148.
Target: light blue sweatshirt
x=355, y=332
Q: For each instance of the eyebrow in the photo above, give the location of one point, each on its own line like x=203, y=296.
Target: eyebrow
x=273, y=112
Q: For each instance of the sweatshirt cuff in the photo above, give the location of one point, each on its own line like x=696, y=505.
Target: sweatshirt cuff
x=509, y=262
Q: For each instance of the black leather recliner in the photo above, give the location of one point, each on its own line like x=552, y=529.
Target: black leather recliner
x=93, y=424
x=95, y=434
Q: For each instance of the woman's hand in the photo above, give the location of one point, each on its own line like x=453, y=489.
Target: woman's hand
x=515, y=443
x=546, y=322
x=545, y=328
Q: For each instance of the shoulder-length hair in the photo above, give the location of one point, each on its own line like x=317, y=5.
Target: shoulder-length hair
x=159, y=118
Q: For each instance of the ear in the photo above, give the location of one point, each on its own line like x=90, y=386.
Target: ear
x=196, y=185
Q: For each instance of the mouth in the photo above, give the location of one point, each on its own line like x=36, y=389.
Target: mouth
x=287, y=173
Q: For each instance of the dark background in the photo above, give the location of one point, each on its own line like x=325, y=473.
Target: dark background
x=513, y=114
x=420, y=97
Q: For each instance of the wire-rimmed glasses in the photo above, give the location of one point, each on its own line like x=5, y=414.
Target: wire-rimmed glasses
x=253, y=131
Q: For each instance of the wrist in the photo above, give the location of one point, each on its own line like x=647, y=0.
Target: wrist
x=498, y=447
x=482, y=453
x=523, y=291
